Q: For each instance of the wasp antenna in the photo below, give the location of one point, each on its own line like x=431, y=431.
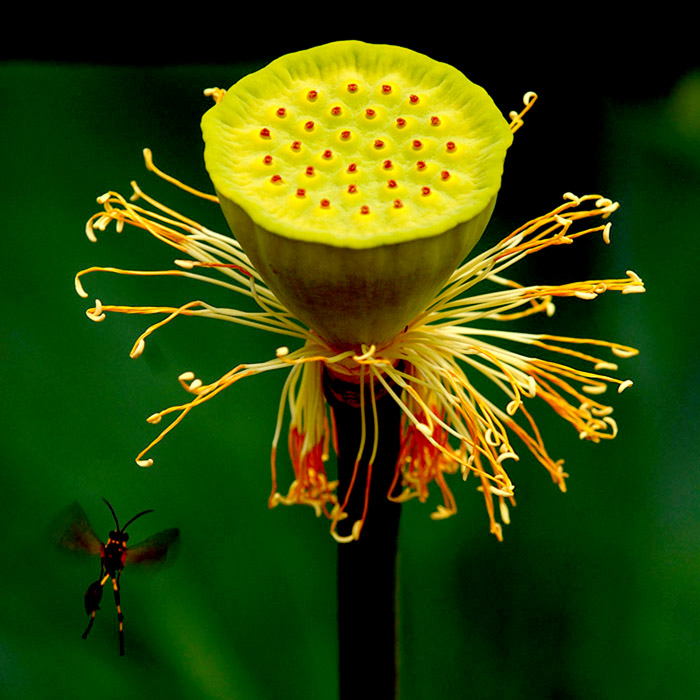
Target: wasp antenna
x=143, y=512
x=114, y=515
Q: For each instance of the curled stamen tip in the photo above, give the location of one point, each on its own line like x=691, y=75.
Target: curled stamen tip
x=186, y=376
x=585, y=295
x=282, y=351
x=505, y=513
x=441, y=513
x=90, y=233
x=571, y=196
x=103, y=198
x=194, y=386
x=137, y=350
x=634, y=289
x=594, y=388
x=153, y=419
x=96, y=314
x=606, y=232
x=79, y=288
x=145, y=462
x=500, y=459
x=624, y=352
x=512, y=407
x=550, y=309
x=605, y=365
x=529, y=97
x=342, y=539
x=625, y=385
x=185, y=264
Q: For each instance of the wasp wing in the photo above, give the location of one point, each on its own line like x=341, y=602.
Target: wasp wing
x=72, y=530
x=155, y=549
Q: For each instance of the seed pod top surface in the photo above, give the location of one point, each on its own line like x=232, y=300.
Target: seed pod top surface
x=356, y=145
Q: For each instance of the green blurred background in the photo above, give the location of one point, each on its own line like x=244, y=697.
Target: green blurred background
x=593, y=594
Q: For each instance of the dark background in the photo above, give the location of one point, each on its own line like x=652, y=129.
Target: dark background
x=593, y=594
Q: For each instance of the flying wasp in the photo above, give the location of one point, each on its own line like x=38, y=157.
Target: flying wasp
x=78, y=535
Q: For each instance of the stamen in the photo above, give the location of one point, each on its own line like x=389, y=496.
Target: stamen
x=138, y=349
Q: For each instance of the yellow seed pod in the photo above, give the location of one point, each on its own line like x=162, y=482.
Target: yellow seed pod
x=356, y=177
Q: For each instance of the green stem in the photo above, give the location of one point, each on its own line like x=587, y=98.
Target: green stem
x=367, y=626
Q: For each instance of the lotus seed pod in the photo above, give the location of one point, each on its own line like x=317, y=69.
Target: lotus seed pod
x=356, y=177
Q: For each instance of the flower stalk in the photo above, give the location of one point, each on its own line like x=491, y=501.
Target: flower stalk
x=368, y=445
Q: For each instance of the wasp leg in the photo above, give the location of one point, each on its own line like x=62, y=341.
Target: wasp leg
x=120, y=616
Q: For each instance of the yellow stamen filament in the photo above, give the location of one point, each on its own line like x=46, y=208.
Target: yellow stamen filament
x=449, y=426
